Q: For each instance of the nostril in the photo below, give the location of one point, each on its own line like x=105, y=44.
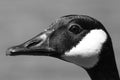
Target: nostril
x=33, y=43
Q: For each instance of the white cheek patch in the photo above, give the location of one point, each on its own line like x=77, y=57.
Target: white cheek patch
x=90, y=45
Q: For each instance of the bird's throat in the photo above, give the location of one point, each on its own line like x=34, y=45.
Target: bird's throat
x=104, y=70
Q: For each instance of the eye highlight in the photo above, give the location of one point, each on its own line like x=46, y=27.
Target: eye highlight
x=75, y=28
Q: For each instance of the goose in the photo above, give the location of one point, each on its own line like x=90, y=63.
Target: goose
x=78, y=39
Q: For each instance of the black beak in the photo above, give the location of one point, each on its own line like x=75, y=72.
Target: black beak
x=39, y=45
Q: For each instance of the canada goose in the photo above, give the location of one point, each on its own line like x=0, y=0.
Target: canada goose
x=77, y=39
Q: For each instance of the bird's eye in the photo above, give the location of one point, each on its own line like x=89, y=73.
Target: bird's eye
x=74, y=28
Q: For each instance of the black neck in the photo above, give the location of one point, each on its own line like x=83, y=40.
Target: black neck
x=106, y=68
x=106, y=72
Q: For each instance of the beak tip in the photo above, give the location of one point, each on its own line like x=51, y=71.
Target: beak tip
x=9, y=51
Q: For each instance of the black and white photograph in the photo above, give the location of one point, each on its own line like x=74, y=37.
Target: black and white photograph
x=59, y=39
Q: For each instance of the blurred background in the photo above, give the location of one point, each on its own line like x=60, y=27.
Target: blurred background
x=21, y=20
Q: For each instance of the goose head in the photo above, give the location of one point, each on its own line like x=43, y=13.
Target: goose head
x=77, y=39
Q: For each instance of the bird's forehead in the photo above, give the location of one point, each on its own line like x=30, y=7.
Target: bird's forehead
x=57, y=23
x=85, y=21
x=63, y=21
x=68, y=17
